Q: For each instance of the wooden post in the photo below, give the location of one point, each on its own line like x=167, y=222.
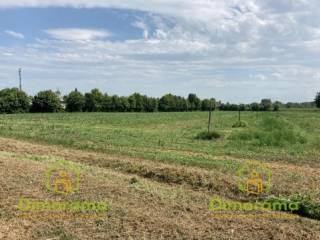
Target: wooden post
x=209, y=123
x=210, y=117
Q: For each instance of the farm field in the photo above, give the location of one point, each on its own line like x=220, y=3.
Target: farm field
x=157, y=177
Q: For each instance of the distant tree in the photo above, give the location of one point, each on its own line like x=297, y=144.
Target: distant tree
x=242, y=107
x=194, y=102
x=75, y=101
x=317, y=100
x=139, y=102
x=276, y=107
x=151, y=104
x=94, y=101
x=266, y=105
x=132, y=103
x=106, y=105
x=46, y=101
x=12, y=100
x=255, y=107
x=208, y=104
x=167, y=103
x=124, y=105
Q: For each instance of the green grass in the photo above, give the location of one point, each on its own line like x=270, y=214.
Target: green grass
x=291, y=136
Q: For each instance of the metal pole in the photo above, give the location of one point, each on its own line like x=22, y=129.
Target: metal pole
x=20, y=77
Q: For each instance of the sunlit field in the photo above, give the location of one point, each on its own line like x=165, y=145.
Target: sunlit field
x=157, y=177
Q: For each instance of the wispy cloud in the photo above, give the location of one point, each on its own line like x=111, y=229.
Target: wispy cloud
x=77, y=34
x=14, y=34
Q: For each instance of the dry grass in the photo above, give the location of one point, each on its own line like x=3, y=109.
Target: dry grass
x=164, y=201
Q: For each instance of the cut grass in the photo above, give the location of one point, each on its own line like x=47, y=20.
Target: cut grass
x=151, y=135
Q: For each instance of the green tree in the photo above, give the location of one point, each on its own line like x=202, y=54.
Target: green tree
x=194, y=102
x=12, y=100
x=151, y=104
x=255, y=107
x=167, y=103
x=75, y=101
x=94, y=101
x=266, y=105
x=46, y=101
x=208, y=104
x=317, y=100
x=137, y=102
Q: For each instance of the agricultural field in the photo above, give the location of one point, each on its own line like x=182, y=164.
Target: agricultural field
x=157, y=177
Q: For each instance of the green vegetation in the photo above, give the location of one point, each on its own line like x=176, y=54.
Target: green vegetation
x=291, y=136
x=46, y=101
x=317, y=100
x=14, y=101
x=307, y=207
x=239, y=124
x=75, y=101
x=208, y=135
x=272, y=132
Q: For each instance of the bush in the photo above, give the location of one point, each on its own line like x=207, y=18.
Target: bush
x=239, y=124
x=208, y=135
x=14, y=101
x=46, y=101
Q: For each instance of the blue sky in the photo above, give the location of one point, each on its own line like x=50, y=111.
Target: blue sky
x=234, y=50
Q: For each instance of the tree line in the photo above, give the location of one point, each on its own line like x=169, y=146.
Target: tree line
x=12, y=100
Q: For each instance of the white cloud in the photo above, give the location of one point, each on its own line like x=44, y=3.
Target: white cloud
x=77, y=34
x=14, y=34
x=213, y=42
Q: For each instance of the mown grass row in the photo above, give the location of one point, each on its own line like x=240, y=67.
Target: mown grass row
x=286, y=136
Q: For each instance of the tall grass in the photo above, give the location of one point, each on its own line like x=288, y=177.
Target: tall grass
x=272, y=131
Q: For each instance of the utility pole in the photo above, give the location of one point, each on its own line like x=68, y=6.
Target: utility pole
x=20, y=79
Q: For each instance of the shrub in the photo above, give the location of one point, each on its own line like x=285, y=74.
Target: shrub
x=12, y=100
x=46, y=101
x=208, y=135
